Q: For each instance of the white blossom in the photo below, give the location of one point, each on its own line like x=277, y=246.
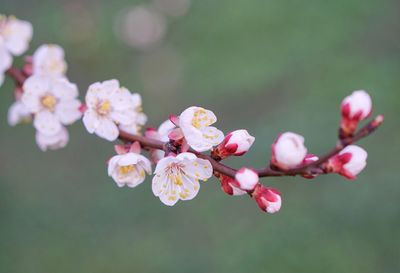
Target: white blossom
x=195, y=124
x=129, y=169
x=356, y=161
x=140, y=118
x=52, y=101
x=177, y=178
x=15, y=34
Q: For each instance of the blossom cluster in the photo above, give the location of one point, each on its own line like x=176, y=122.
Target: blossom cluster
x=177, y=147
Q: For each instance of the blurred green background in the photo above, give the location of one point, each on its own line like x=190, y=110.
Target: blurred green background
x=267, y=66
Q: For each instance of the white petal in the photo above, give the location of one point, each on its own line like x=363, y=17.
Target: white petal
x=107, y=129
x=198, y=169
x=17, y=112
x=125, y=117
x=47, y=123
x=64, y=90
x=91, y=120
x=49, y=60
x=165, y=128
x=68, y=111
x=54, y=142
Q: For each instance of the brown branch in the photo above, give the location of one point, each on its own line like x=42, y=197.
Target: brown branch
x=312, y=168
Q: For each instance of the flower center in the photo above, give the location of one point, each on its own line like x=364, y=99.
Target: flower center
x=104, y=108
x=126, y=169
x=175, y=171
x=201, y=119
x=49, y=102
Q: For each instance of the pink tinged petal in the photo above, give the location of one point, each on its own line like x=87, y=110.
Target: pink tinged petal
x=120, y=149
x=47, y=123
x=68, y=111
x=175, y=134
x=34, y=88
x=107, y=129
x=357, y=106
x=165, y=128
x=91, y=120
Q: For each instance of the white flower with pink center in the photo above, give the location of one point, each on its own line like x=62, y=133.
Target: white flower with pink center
x=52, y=142
x=53, y=102
x=129, y=169
x=288, y=151
x=195, y=124
x=49, y=60
x=177, y=178
x=109, y=106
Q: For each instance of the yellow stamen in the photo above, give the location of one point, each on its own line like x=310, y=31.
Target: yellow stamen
x=104, y=108
x=126, y=169
x=49, y=102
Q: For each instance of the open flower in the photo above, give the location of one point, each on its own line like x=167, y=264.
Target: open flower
x=288, y=151
x=177, y=178
x=356, y=107
x=349, y=162
x=52, y=101
x=108, y=105
x=129, y=169
x=18, y=113
x=268, y=199
x=195, y=124
x=140, y=118
x=15, y=34
x=52, y=142
x=48, y=60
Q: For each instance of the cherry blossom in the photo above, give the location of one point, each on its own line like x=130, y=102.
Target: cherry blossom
x=129, y=169
x=15, y=34
x=109, y=105
x=349, y=162
x=52, y=101
x=136, y=125
x=235, y=143
x=247, y=179
x=268, y=199
x=355, y=107
x=195, y=124
x=177, y=178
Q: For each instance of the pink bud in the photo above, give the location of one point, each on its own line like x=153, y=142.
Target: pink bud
x=268, y=199
x=356, y=107
x=349, y=162
x=230, y=185
x=288, y=151
x=235, y=143
x=247, y=179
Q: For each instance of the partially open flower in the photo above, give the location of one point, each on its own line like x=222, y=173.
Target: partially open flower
x=235, y=143
x=195, y=124
x=356, y=107
x=268, y=199
x=177, y=178
x=48, y=60
x=349, y=162
x=129, y=169
x=52, y=142
x=161, y=134
x=52, y=101
x=108, y=105
x=288, y=151
x=247, y=179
